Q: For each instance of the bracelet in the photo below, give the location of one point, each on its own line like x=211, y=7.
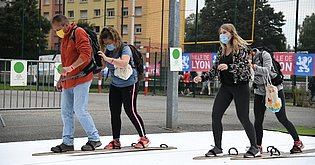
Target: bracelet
x=112, y=61
x=71, y=67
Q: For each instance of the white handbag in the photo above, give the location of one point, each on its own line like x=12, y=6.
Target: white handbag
x=123, y=73
x=272, y=102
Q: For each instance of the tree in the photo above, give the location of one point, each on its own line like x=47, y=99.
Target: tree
x=85, y=24
x=268, y=24
x=19, y=26
x=307, y=33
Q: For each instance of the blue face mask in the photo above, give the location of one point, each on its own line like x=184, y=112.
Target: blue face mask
x=224, y=38
x=110, y=47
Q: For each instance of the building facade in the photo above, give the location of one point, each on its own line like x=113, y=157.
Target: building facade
x=49, y=8
x=101, y=13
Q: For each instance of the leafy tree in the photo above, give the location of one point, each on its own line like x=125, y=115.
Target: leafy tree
x=268, y=24
x=85, y=24
x=307, y=33
x=20, y=24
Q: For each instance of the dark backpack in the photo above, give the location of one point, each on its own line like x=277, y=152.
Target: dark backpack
x=276, y=65
x=137, y=59
x=95, y=64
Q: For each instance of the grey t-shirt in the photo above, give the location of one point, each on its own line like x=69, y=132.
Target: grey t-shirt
x=118, y=82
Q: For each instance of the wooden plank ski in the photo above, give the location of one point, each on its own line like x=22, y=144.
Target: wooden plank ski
x=230, y=154
x=107, y=151
x=282, y=155
x=213, y=157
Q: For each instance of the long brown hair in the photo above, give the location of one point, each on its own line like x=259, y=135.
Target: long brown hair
x=236, y=41
x=109, y=33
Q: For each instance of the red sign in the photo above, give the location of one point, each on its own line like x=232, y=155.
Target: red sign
x=286, y=61
x=200, y=62
x=152, y=68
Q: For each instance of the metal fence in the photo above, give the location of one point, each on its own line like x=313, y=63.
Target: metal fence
x=39, y=93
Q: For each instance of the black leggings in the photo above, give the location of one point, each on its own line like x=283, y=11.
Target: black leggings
x=128, y=97
x=240, y=94
x=259, y=111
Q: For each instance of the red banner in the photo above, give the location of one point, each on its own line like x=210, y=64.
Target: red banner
x=200, y=62
x=151, y=69
x=286, y=61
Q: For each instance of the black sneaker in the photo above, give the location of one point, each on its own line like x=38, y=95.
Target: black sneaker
x=91, y=145
x=215, y=151
x=62, y=148
x=252, y=152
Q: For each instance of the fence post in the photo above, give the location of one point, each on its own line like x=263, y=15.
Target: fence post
x=146, y=84
x=155, y=56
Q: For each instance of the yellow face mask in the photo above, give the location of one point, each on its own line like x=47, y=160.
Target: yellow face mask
x=60, y=33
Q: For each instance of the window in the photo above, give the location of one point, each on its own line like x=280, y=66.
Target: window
x=46, y=15
x=70, y=1
x=125, y=11
x=97, y=13
x=137, y=28
x=138, y=11
x=71, y=14
x=125, y=29
x=83, y=1
x=97, y=29
x=83, y=14
x=111, y=12
x=58, y=2
x=137, y=43
x=58, y=12
x=46, y=2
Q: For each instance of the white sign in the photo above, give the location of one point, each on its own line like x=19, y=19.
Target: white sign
x=18, y=76
x=176, y=59
x=57, y=70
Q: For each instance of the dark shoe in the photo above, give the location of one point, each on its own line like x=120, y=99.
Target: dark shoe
x=297, y=147
x=215, y=151
x=62, y=148
x=91, y=145
x=252, y=152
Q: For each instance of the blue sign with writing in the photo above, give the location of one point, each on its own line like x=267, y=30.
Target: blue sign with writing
x=186, y=62
x=214, y=56
x=304, y=64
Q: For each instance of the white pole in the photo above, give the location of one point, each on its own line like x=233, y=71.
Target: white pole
x=132, y=33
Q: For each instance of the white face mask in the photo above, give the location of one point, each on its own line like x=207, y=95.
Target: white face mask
x=224, y=38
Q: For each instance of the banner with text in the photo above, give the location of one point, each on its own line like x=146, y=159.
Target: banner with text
x=57, y=69
x=152, y=68
x=291, y=63
x=18, y=76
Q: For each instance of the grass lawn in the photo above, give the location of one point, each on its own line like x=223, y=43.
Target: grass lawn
x=301, y=131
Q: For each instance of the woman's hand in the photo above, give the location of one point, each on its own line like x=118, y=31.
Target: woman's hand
x=197, y=79
x=254, y=66
x=100, y=53
x=222, y=67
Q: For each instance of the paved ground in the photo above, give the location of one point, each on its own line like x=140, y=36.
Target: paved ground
x=194, y=114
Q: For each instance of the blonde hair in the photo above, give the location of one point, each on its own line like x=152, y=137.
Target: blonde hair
x=109, y=33
x=236, y=41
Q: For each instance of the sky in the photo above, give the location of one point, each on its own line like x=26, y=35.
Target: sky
x=288, y=7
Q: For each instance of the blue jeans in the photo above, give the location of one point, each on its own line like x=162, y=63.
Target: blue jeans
x=75, y=101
